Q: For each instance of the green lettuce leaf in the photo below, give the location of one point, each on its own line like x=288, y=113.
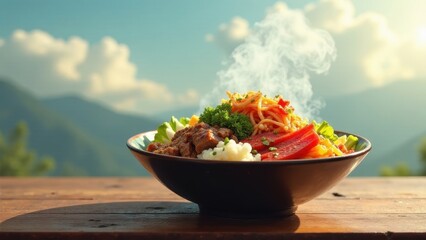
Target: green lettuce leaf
x=351, y=142
x=167, y=130
x=326, y=130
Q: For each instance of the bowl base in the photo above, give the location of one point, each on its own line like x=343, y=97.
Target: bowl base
x=226, y=213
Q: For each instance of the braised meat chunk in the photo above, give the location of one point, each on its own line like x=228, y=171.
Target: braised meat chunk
x=208, y=137
x=191, y=141
x=163, y=149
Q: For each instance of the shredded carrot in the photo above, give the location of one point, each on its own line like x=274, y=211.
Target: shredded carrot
x=193, y=120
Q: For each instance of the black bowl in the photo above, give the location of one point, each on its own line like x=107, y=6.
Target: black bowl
x=246, y=189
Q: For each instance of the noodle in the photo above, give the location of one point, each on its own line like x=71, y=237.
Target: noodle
x=266, y=114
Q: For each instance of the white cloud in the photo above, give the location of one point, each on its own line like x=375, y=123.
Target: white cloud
x=368, y=50
x=231, y=34
x=108, y=69
x=42, y=63
x=236, y=30
x=103, y=71
x=189, y=96
x=369, y=53
x=413, y=55
x=333, y=15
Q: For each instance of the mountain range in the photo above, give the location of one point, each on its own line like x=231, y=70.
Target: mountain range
x=87, y=138
x=390, y=117
x=84, y=138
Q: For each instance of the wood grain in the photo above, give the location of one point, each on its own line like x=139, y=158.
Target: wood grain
x=141, y=208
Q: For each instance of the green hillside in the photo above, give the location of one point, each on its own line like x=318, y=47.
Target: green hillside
x=388, y=116
x=407, y=152
x=74, y=150
x=182, y=112
x=99, y=121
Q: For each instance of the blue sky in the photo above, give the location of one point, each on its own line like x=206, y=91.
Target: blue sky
x=166, y=38
x=176, y=47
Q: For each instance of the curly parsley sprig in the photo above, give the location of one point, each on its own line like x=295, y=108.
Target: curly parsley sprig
x=222, y=116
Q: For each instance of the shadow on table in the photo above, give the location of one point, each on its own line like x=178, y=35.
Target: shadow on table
x=140, y=217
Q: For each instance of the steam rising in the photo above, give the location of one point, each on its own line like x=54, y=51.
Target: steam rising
x=277, y=58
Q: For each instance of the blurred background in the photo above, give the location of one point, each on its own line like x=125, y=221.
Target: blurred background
x=78, y=78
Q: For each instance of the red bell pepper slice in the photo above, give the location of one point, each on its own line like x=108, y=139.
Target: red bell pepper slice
x=283, y=103
x=261, y=142
x=293, y=148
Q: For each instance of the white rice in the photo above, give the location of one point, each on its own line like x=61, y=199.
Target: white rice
x=230, y=151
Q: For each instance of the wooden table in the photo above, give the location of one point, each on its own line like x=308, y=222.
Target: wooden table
x=141, y=208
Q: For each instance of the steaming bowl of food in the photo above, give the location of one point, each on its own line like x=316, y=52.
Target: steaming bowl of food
x=266, y=171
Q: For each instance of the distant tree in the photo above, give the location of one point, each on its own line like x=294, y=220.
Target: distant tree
x=402, y=169
x=422, y=150
x=17, y=160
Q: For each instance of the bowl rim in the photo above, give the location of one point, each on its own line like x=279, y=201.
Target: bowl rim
x=229, y=162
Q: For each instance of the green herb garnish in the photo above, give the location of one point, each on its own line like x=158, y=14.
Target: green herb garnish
x=265, y=141
x=222, y=116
